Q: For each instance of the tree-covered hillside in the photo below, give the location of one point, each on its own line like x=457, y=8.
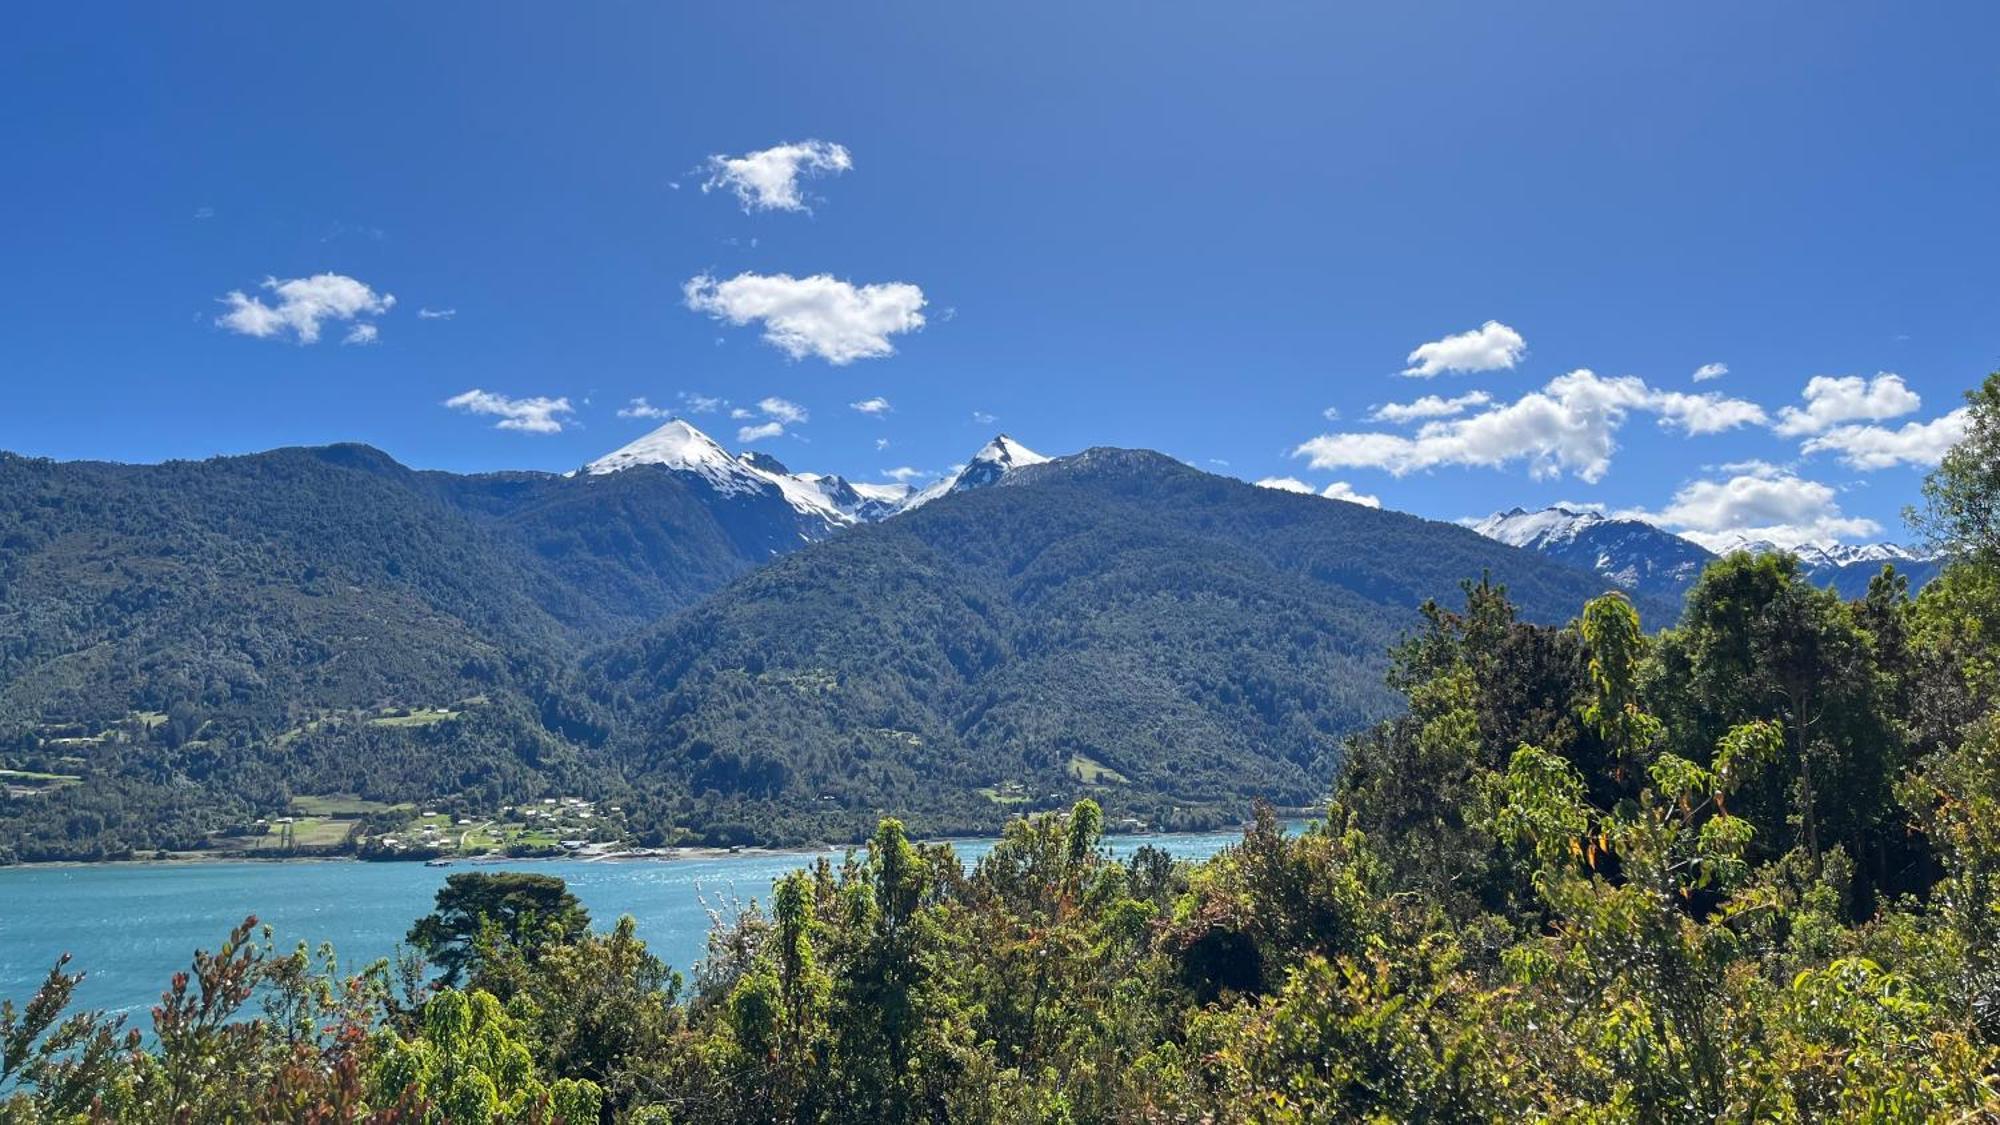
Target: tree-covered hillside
x=185, y=648
x=1115, y=623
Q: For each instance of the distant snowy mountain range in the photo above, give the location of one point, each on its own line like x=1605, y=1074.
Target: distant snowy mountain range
x=821, y=503
x=1628, y=552
x=1636, y=555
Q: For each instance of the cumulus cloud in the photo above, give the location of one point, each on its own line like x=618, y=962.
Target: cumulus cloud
x=876, y=405
x=759, y=432
x=781, y=410
x=640, y=408
x=1709, y=413
x=769, y=180
x=362, y=334
x=1490, y=347
x=1338, y=490
x=820, y=315
x=1709, y=371
x=1879, y=447
x=1286, y=484
x=699, y=403
x=1831, y=401
x=1341, y=490
x=1770, y=504
x=528, y=415
x=1570, y=426
x=1429, y=406
x=303, y=305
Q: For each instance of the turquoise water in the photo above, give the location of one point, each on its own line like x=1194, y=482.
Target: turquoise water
x=129, y=927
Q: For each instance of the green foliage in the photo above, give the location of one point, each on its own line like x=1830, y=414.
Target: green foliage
x=481, y=915
x=1961, y=512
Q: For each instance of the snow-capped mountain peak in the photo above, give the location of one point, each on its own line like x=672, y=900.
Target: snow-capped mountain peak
x=1518, y=527
x=679, y=446
x=996, y=459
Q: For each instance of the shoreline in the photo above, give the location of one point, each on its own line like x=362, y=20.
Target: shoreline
x=655, y=855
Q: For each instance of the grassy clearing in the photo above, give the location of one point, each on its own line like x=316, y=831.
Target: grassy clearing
x=1003, y=798
x=421, y=717
x=1090, y=771
x=341, y=805
x=44, y=778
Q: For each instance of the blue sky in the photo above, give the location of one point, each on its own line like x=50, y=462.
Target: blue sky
x=1195, y=228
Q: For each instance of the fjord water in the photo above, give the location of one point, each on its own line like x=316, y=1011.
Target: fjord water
x=130, y=926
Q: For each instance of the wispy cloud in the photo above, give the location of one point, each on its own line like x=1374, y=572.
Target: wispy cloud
x=695, y=403
x=904, y=474
x=822, y=315
x=768, y=180
x=876, y=405
x=303, y=305
x=1709, y=371
x=640, y=408
x=782, y=410
x=760, y=432
x=436, y=314
x=529, y=415
x=1429, y=406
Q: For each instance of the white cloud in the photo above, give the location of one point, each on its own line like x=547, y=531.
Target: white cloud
x=748, y=434
x=1338, y=490
x=1491, y=347
x=699, y=403
x=876, y=405
x=1709, y=413
x=640, y=408
x=1429, y=406
x=303, y=304
x=1286, y=484
x=1709, y=371
x=739, y=413
x=904, y=474
x=984, y=418
x=769, y=180
x=1567, y=426
x=881, y=443
x=1879, y=447
x=1776, y=505
x=1331, y=414
x=1831, y=401
x=821, y=315
x=1341, y=490
x=436, y=314
x=789, y=413
x=529, y=415
x=362, y=334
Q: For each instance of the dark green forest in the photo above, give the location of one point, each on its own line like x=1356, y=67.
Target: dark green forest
x=1742, y=869
x=191, y=646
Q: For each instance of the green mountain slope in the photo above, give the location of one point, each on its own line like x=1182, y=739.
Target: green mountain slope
x=1116, y=622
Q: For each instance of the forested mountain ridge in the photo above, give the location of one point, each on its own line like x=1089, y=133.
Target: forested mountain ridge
x=1114, y=622
x=198, y=642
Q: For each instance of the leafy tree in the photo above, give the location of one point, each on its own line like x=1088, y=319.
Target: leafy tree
x=479, y=913
x=1961, y=512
